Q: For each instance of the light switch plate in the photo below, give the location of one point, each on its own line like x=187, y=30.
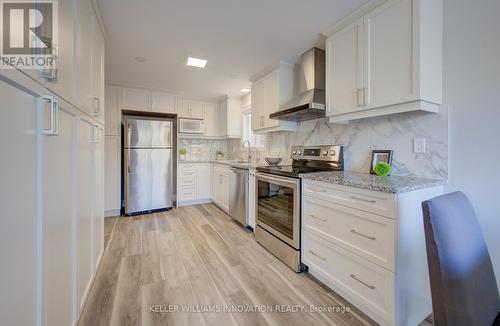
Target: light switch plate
x=419, y=145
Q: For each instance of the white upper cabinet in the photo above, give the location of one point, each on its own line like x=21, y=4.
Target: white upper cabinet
x=60, y=80
x=269, y=93
x=230, y=117
x=212, y=120
x=389, y=61
x=85, y=54
x=136, y=99
x=197, y=110
x=90, y=68
x=345, y=69
x=97, y=61
x=183, y=108
x=190, y=109
x=163, y=102
x=384, y=59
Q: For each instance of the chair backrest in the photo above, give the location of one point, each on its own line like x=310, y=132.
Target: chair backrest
x=463, y=285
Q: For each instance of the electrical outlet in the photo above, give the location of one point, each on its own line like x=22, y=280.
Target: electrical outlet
x=419, y=145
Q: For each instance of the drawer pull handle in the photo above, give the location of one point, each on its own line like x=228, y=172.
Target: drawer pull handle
x=315, y=254
x=319, y=190
x=365, y=200
x=363, y=235
x=318, y=218
x=365, y=284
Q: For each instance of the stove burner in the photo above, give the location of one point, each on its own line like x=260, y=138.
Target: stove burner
x=318, y=158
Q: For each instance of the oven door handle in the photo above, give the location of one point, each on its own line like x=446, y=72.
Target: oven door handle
x=284, y=181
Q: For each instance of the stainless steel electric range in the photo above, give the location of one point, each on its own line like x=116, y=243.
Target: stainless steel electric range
x=278, y=198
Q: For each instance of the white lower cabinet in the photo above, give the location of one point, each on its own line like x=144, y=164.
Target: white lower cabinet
x=220, y=186
x=203, y=181
x=193, y=183
x=370, y=248
x=112, y=176
x=98, y=199
x=363, y=283
x=368, y=235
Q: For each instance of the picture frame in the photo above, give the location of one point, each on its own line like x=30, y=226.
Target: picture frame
x=380, y=156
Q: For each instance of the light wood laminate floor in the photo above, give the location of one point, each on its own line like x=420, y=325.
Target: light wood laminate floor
x=197, y=257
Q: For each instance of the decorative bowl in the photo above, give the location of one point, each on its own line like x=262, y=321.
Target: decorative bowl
x=273, y=160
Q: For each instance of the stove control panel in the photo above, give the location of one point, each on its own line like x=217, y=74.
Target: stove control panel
x=333, y=153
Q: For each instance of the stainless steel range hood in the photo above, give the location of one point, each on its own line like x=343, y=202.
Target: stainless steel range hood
x=310, y=103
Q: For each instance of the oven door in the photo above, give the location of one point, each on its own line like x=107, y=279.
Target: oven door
x=278, y=207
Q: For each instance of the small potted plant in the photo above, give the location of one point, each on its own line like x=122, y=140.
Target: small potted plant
x=220, y=154
x=182, y=154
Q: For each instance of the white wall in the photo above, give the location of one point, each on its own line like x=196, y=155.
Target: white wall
x=472, y=92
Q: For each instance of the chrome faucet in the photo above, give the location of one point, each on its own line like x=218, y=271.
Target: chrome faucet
x=249, y=157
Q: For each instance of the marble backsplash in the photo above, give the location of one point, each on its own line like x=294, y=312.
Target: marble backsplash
x=360, y=137
x=203, y=150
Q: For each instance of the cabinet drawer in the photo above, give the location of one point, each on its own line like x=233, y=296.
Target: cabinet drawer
x=186, y=181
x=186, y=166
x=222, y=171
x=369, y=287
x=370, y=201
x=187, y=174
x=368, y=235
x=186, y=193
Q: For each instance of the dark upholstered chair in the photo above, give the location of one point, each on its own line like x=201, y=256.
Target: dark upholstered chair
x=463, y=286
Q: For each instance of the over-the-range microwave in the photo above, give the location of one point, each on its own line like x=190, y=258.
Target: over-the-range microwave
x=191, y=126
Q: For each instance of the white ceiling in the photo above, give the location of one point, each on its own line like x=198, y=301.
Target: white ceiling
x=239, y=38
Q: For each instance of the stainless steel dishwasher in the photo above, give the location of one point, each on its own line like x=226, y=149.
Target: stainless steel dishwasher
x=238, y=188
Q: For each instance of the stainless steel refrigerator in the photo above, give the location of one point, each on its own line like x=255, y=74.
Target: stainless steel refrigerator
x=148, y=166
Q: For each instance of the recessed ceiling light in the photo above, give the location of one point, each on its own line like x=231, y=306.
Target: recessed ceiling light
x=245, y=90
x=140, y=59
x=195, y=62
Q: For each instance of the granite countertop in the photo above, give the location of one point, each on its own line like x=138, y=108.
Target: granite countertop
x=234, y=163
x=238, y=164
x=390, y=184
x=194, y=161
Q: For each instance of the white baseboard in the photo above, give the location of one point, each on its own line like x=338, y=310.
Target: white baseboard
x=193, y=202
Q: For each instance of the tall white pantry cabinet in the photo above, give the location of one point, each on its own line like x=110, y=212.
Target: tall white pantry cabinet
x=52, y=189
